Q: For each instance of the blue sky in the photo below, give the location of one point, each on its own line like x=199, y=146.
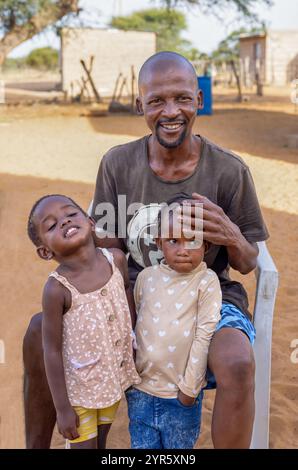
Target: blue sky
x=204, y=31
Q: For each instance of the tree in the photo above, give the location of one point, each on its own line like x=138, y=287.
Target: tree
x=45, y=58
x=167, y=24
x=20, y=20
x=244, y=7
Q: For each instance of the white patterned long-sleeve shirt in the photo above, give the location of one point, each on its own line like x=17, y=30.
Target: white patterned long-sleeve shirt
x=177, y=317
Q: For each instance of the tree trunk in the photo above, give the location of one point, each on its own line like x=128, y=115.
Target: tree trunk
x=48, y=15
x=239, y=98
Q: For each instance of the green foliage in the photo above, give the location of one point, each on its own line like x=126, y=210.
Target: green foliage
x=167, y=24
x=244, y=7
x=44, y=58
x=18, y=12
x=14, y=64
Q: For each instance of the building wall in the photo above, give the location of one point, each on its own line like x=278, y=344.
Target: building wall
x=114, y=51
x=282, y=57
x=252, y=59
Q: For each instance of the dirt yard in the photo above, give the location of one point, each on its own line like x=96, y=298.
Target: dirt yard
x=57, y=149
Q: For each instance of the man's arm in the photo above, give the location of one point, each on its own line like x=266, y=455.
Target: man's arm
x=121, y=263
x=105, y=207
x=53, y=303
x=220, y=230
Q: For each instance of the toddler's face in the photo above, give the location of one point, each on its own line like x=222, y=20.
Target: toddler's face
x=181, y=254
x=62, y=227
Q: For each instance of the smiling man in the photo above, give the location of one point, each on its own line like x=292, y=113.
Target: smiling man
x=147, y=172
x=173, y=160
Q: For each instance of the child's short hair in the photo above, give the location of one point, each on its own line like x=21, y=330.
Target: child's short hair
x=31, y=226
x=177, y=199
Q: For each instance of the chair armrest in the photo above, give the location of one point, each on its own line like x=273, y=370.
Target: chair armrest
x=267, y=282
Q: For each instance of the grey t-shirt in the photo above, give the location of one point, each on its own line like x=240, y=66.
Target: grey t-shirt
x=220, y=175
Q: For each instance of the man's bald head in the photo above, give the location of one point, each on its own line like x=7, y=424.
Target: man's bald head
x=163, y=62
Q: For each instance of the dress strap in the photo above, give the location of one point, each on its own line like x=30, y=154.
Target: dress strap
x=109, y=256
x=64, y=282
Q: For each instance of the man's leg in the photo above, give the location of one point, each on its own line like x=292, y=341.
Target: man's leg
x=40, y=414
x=231, y=360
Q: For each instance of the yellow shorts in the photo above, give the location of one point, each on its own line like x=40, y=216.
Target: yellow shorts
x=90, y=419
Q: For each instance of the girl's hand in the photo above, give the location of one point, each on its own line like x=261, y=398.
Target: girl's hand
x=68, y=422
x=185, y=399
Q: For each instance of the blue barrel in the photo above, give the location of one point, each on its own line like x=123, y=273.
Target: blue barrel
x=205, y=84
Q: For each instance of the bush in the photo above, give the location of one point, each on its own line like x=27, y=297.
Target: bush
x=44, y=58
x=13, y=64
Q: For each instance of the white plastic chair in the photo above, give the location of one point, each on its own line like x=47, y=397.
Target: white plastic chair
x=267, y=283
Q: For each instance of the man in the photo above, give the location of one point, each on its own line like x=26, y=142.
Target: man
x=150, y=171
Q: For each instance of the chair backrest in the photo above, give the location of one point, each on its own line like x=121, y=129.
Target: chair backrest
x=267, y=283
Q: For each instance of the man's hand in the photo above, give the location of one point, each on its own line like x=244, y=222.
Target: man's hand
x=185, y=399
x=217, y=227
x=220, y=230
x=68, y=422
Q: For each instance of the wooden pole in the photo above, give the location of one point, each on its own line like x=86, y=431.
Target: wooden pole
x=133, y=77
x=96, y=94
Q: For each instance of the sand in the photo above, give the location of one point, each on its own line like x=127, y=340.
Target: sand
x=50, y=149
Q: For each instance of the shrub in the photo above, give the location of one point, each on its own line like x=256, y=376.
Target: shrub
x=43, y=58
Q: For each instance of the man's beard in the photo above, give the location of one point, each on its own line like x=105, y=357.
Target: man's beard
x=171, y=145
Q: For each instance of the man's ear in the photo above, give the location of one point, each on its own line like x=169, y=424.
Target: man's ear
x=44, y=253
x=139, y=106
x=200, y=98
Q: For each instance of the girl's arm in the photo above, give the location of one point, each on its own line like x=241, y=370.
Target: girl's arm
x=207, y=318
x=53, y=304
x=121, y=263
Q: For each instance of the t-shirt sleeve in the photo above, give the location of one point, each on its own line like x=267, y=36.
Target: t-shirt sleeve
x=244, y=210
x=105, y=207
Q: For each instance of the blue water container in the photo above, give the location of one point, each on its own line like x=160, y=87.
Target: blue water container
x=205, y=84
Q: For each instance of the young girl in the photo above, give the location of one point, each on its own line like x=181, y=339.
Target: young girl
x=178, y=304
x=87, y=324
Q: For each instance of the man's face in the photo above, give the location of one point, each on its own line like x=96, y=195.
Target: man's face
x=169, y=99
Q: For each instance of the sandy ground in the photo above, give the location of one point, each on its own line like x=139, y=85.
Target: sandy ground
x=46, y=150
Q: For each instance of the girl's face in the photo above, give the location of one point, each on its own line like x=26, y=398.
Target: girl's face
x=62, y=227
x=181, y=254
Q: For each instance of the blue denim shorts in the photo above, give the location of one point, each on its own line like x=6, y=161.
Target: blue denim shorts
x=231, y=317
x=162, y=423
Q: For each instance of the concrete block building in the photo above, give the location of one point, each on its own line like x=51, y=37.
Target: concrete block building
x=273, y=55
x=114, y=52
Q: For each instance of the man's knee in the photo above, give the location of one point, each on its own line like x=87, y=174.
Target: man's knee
x=34, y=327
x=232, y=361
x=237, y=373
